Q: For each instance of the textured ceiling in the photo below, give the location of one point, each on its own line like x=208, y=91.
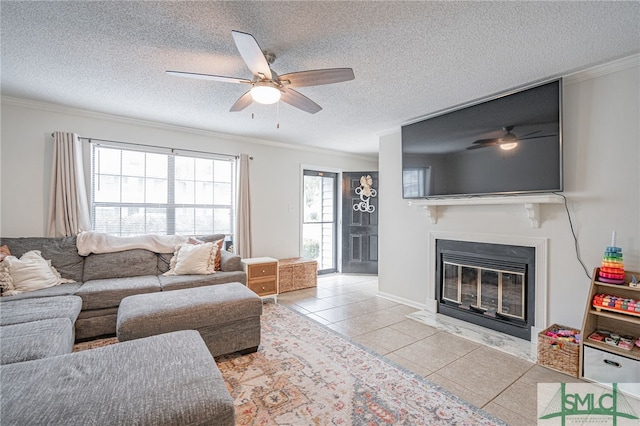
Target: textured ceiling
x=409, y=58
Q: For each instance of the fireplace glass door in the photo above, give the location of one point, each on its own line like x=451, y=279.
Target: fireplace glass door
x=484, y=290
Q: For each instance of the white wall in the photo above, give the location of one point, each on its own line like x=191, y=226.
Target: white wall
x=601, y=115
x=275, y=171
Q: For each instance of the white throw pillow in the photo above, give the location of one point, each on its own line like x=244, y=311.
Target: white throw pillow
x=30, y=272
x=193, y=259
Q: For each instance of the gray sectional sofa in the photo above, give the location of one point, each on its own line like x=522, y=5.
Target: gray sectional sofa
x=103, y=280
x=164, y=379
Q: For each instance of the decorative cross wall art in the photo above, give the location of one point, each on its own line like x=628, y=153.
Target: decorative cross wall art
x=366, y=192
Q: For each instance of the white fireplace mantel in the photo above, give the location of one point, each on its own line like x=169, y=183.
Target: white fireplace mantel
x=531, y=204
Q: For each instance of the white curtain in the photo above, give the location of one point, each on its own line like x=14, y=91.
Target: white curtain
x=243, y=235
x=68, y=206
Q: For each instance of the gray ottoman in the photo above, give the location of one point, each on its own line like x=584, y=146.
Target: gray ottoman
x=39, y=308
x=162, y=380
x=35, y=340
x=226, y=315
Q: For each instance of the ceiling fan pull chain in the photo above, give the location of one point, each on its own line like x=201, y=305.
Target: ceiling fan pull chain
x=278, y=115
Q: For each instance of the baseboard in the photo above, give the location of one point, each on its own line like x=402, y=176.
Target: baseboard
x=401, y=300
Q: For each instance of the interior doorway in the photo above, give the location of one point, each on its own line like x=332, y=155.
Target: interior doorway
x=320, y=222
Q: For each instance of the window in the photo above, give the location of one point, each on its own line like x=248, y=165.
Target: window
x=319, y=239
x=416, y=181
x=137, y=192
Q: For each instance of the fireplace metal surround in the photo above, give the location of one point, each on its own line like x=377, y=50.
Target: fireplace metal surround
x=492, y=285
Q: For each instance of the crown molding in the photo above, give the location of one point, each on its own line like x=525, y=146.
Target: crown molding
x=63, y=109
x=387, y=132
x=603, y=69
x=570, y=78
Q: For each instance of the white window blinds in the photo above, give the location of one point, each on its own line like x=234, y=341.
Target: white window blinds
x=140, y=190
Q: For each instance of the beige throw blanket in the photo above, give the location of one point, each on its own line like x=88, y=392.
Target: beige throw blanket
x=97, y=242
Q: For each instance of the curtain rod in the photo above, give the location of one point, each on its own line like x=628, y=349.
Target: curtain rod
x=155, y=146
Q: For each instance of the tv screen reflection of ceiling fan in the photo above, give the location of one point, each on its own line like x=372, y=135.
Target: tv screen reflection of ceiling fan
x=508, y=141
x=267, y=87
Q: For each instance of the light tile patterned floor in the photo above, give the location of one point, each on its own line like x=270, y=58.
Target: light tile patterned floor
x=501, y=384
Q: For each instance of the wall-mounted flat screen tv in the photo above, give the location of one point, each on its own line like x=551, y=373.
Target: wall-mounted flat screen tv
x=510, y=143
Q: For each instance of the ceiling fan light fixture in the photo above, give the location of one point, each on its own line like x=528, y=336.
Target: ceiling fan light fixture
x=508, y=146
x=265, y=92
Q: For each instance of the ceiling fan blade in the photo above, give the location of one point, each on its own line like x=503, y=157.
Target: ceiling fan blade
x=529, y=134
x=484, y=145
x=487, y=141
x=209, y=77
x=299, y=100
x=244, y=101
x=252, y=54
x=318, y=77
x=535, y=137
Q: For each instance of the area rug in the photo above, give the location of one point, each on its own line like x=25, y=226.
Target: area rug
x=306, y=374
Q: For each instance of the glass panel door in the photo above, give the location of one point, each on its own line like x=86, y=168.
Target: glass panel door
x=489, y=290
x=451, y=284
x=469, y=286
x=513, y=292
x=319, y=219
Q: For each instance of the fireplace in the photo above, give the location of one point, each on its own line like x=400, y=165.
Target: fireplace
x=492, y=285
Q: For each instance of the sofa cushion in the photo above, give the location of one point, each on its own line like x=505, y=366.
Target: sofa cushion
x=35, y=340
x=129, y=263
x=28, y=273
x=164, y=259
x=164, y=262
x=219, y=244
x=210, y=238
x=196, y=259
x=100, y=294
x=61, y=251
x=230, y=262
x=169, y=379
x=58, y=290
x=4, y=252
x=96, y=322
x=40, y=308
x=218, y=240
x=177, y=282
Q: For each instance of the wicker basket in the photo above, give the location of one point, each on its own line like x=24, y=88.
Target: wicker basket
x=558, y=354
x=297, y=273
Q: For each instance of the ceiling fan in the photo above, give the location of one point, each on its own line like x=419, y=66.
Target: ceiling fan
x=267, y=87
x=507, y=141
